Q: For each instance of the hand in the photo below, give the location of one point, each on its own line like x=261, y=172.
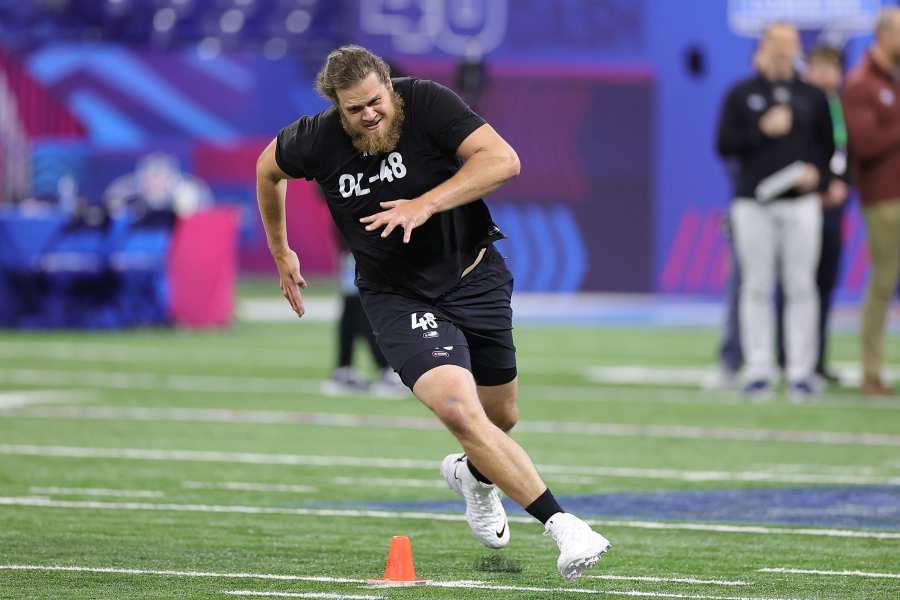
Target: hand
x=837, y=194
x=407, y=214
x=777, y=121
x=290, y=279
x=809, y=181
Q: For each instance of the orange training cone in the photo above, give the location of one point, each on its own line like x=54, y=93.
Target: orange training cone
x=400, y=570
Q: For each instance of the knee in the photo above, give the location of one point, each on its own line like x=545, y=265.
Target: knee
x=800, y=288
x=463, y=417
x=757, y=288
x=757, y=294
x=506, y=417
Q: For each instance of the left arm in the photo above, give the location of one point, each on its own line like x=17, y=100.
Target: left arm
x=817, y=176
x=825, y=142
x=488, y=162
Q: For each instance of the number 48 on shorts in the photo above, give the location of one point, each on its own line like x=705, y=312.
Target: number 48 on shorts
x=425, y=323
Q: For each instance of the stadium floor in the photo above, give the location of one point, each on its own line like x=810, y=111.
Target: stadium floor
x=160, y=464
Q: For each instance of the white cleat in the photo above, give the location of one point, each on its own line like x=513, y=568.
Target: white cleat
x=484, y=512
x=580, y=547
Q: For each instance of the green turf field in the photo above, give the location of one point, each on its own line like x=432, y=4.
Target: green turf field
x=170, y=464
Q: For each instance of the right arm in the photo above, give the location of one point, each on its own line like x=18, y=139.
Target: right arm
x=736, y=136
x=271, y=187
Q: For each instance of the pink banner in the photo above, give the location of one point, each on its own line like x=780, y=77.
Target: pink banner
x=202, y=266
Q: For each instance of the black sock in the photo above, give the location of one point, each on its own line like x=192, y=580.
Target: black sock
x=544, y=507
x=477, y=474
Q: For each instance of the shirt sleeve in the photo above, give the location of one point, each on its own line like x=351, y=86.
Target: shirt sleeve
x=824, y=145
x=448, y=120
x=293, y=150
x=737, y=135
x=868, y=139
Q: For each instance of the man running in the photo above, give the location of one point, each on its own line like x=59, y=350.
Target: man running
x=404, y=165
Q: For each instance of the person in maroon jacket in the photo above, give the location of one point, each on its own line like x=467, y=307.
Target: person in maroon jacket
x=872, y=106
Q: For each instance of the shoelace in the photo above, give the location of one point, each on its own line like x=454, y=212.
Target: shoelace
x=549, y=533
x=565, y=533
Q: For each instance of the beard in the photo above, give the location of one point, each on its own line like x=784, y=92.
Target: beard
x=379, y=142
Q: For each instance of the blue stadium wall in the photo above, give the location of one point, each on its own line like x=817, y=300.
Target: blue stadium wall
x=611, y=103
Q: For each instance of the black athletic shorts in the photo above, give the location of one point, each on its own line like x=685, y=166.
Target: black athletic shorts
x=469, y=326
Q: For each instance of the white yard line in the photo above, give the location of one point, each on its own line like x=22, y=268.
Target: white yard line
x=276, y=310
x=35, y=502
x=305, y=489
x=323, y=419
x=463, y=584
x=688, y=580
x=849, y=372
x=91, y=352
x=477, y=585
x=833, y=573
x=325, y=595
x=216, y=456
x=643, y=375
x=561, y=473
x=218, y=384
x=166, y=573
x=80, y=491
x=124, y=380
x=20, y=398
x=311, y=387
x=532, y=362
x=249, y=487
x=390, y=482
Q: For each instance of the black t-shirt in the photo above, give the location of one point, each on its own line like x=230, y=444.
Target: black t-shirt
x=436, y=123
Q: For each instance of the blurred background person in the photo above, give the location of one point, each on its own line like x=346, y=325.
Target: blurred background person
x=352, y=325
x=872, y=104
x=157, y=190
x=471, y=77
x=825, y=70
x=731, y=357
x=779, y=130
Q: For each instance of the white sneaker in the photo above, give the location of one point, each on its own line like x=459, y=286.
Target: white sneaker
x=580, y=547
x=484, y=512
x=345, y=381
x=722, y=378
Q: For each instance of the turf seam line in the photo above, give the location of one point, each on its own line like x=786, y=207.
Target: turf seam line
x=835, y=573
x=460, y=584
x=245, y=486
x=85, y=491
x=689, y=580
x=384, y=514
x=174, y=573
x=323, y=595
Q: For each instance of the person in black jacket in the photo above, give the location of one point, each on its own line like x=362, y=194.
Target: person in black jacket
x=778, y=130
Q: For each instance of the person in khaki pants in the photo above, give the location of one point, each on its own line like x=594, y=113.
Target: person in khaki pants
x=872, y=106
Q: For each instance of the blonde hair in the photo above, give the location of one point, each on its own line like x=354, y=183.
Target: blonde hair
x=347, y=65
